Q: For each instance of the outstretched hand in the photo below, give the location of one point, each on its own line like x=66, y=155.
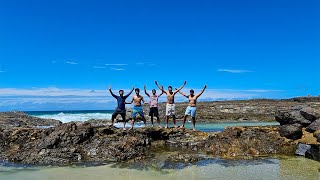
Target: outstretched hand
x=156, y=82
x=185, y=82
x=132, y=87
x=109, y=87
x=205, y=86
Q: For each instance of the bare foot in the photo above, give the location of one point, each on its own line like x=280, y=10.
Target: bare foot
x=124, y=129
x=175, y=126
x=194, y=129
x=159, y=126
x=181, y=127
x=166, y=127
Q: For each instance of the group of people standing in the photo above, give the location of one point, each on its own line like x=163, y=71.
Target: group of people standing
x=137, y=99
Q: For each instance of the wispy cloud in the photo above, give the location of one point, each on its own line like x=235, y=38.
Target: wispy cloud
x=99, y=67
x=2, y=71
x=116, y=64
x=72, y=62
x=234, y=70
x=117, y=69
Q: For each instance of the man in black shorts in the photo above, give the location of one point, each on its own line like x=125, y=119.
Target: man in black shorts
x=121, y=108
x=153, y=104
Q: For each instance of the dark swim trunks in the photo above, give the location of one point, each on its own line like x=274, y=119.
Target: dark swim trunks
x=154, y=112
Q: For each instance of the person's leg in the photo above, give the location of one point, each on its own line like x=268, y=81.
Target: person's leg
x=173, y=110
x=167, y=121
x=156, y=114
x=151, y=117
x=167, y=115
x=132, y=123
x=134, y=115
x=142, y=116
x=114, y=115
x=123, y=115
x=159, y=124
x=184, y=120
x=185, y=116
x=193, y=123
x=174, y=121
x=193, y=114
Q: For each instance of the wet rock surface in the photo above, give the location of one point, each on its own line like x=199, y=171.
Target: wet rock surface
x=303, y=126
x=84, y=142
x=21, y=119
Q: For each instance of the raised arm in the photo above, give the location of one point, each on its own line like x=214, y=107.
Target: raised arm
x=177, y=90
x=183, y=94
x=162, y=91
x=109, y=88
x=161, y=88
x=145, y=91
x=204, y=88
x=130, y=92
x=130, y=101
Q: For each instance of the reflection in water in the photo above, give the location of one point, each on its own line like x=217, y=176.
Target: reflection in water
x=275, y=168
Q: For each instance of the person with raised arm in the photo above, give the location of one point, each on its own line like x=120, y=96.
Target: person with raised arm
x=137, y=108
x=121, y=108
x=192, y=107
x=154, y=111
x=170, y=107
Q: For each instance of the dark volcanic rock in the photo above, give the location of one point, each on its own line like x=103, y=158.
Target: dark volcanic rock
x=291, y=131
x=302, y=149
x=316, y=134
x=21, y=119
x=310, y=114
x=313, y=152
x=314, y=126
x=249, y=141
x=81, y=142
x=293, y=117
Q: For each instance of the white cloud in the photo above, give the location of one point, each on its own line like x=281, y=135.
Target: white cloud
x=116, y=64
x=72, y=62
x=53, y=98
x=117, y=69
x=234, y=70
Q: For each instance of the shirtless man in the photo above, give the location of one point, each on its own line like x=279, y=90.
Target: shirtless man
x=121, y=108
x=154, y=104
x=170, y=107
x=137, y=108
x=192, y=108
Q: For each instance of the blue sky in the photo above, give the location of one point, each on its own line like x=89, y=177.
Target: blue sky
x=64, y=54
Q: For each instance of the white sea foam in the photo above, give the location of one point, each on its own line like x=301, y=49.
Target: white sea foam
x=68, y=117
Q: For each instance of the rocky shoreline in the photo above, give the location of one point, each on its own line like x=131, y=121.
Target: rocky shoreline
x=256, y=110
x=30, y=140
